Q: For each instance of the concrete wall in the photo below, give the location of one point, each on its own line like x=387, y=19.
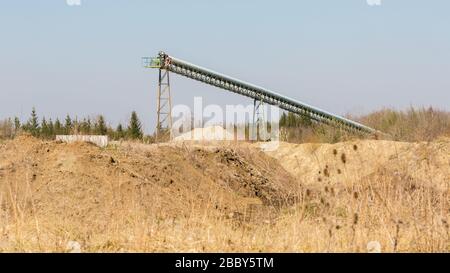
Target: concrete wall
x=101, y=141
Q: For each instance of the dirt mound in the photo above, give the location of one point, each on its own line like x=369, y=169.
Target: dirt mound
x=85, y=185
x=219, y=197
x=349, y=163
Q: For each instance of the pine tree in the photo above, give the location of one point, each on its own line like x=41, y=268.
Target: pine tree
x=44, y=128
x=100, y=126
x=33, y=123
x=120, y=134
x=58, y=127
x=51, y=129
x=85, y=126
x=135, y=127
x=68, y=126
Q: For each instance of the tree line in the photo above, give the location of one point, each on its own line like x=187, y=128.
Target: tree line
x=49, y=128
x=291, y=120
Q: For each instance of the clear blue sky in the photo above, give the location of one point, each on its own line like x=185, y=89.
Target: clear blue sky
x=342, y=56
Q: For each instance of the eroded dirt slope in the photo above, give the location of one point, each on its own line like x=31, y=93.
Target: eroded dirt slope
x=81, y=183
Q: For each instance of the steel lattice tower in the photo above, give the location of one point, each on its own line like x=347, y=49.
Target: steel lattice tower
x=164, y=108
x=259, y=128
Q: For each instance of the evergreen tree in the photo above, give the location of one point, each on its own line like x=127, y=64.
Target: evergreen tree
x=135, y=127
x=85, y=126
x=100, y=126
x=33, y=123
x=51, y=129
x=120, y=134
x=58, y=127
x=68, y=126
x=44, y=128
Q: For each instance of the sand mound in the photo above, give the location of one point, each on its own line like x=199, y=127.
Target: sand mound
x=213, y=133
x=350, y=162
x=193, y=197
x=84, y=185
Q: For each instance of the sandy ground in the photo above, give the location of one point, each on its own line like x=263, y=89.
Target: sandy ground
x=84, y=184
x=63, y=191
x=350, y=162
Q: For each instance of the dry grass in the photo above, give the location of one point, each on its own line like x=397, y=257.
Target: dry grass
x=399, y=220
x=423, y=124
x=403, y=214
x=412, y=125
x=7, y=130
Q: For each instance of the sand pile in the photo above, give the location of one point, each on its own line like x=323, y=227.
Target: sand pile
x=82, y=185
x=223, y=196
x=351, y=162
x=213, y=133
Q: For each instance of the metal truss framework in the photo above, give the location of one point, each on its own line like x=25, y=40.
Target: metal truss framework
x=259, y=128
x=164, y=110
x=207, y=76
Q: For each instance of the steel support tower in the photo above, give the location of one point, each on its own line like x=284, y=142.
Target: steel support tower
x=259, y=128
x=164, y=100
x=164, y=110
x=165, y=62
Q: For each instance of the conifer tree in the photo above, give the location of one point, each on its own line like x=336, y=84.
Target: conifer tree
x=135, y=127
x=100, y=126
x=58, y=127
x=33, y=123
x=44, y=128
x=120, y=134
x=51, y=129
x=68, y=125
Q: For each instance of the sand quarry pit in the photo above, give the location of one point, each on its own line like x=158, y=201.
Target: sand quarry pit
x=224, y=197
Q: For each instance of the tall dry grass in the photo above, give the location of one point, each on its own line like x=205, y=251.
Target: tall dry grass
x=343, y=221
x=411, y=125
x=402, y=215
x=7, y=130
